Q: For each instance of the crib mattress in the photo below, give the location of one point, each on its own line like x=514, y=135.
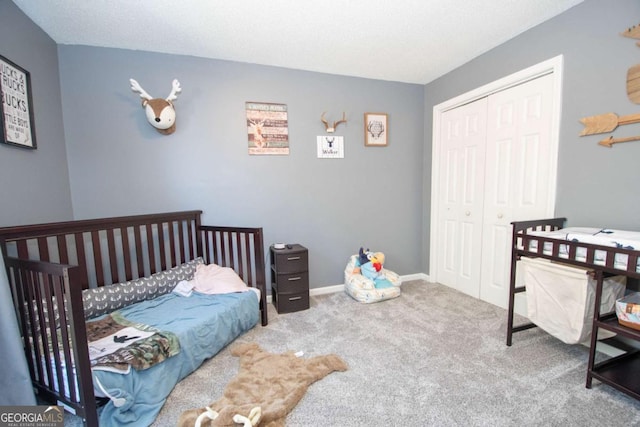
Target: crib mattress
x=204, y=324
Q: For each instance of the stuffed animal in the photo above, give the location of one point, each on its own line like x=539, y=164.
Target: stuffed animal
x=370, y=266
x=160, y=112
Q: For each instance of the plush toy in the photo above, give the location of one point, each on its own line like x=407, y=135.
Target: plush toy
x=160, y=112
x=370, y=266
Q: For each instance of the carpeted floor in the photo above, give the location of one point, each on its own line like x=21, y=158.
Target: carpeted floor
x=432, y=357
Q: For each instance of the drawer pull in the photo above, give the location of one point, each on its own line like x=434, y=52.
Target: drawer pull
x=293, y=258
x=294, y=298
x=291, y=279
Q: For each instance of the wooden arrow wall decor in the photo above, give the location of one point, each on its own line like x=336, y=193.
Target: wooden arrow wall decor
x=633, y=32
x=607, y=122
x=633, y=84
x=608, y=142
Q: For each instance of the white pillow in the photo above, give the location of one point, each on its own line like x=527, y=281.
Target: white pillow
x=213, y=279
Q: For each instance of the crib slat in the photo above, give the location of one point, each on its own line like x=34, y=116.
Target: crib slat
x=215, y=237
x=62, y=249
x=43, y=248
x=52, y=354
x=227, y=252
x=111, y=247
x=250, y=261
x=23, y=250
x=162, y=246
x=181, y=246
x=126, y=254
x=172, y=244
x=66, y=339
x=97, y=258
x=152, y=252
x=138, y=250
x=82, y=260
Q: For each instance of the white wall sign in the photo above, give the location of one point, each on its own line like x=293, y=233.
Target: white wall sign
x=16, y=106
x=331, y=147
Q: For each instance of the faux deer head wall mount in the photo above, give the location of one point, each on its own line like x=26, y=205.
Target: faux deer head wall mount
x=160, y=112
x=332, y=128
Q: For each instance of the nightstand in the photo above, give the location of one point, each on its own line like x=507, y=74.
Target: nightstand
x=290, y=278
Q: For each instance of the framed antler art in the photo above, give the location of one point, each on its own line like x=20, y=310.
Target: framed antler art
x=376, y=129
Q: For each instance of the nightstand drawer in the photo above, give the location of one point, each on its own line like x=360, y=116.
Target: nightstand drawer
x=290, y=277
x=293, y=282
x=291, y=261
x=288, y=303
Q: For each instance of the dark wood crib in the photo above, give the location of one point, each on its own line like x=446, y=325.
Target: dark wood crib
x=49, y=265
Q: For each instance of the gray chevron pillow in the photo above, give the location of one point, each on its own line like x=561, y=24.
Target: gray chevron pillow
x=105, y=299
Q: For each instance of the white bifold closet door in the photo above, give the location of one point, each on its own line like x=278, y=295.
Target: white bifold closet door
x=462, y=169
x=494, y=169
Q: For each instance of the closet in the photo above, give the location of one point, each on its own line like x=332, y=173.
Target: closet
x=495, y=164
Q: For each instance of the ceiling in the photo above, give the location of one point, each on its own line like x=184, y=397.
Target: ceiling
x=411, y=41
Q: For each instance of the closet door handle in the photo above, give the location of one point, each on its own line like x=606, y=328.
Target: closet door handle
x=500, y=215
x=467, y=213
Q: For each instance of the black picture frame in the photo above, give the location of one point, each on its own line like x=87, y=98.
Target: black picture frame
x=17, y=122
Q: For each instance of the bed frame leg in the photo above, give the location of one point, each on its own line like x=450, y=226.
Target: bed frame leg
x=263, y=309
x=512, y=294
x=599, y=276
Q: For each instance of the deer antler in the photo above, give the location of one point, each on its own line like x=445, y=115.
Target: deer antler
x=331, y=129
x=176, y=89
x=343, y=120
x=323, y=120
x=135, y=86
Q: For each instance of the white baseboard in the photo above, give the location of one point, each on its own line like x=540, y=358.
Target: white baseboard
x=417, y=276
x=330, y=289
x=326, y=290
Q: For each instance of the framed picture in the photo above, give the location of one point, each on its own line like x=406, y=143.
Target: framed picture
x=376, y=129
x=16, y=106
x=330, y=147
x=267, y=128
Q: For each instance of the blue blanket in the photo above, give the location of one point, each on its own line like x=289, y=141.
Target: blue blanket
x=204, y=324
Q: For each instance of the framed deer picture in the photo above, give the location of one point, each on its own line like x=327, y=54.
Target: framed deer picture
x=16, y=108
x=376, y=129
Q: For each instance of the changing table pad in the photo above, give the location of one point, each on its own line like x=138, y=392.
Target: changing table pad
x=597, y=236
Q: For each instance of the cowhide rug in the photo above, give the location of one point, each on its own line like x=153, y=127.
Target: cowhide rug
x=267, y=387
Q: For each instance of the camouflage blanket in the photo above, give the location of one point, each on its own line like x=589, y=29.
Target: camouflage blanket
x=117, y=344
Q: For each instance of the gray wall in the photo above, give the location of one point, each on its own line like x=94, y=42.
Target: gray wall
x=378, y=197
x=597, y=186
x=120, y=165
x=35, y=183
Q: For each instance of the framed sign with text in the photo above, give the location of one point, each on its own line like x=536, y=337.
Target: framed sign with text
x=267, y=128
x=16, y=106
